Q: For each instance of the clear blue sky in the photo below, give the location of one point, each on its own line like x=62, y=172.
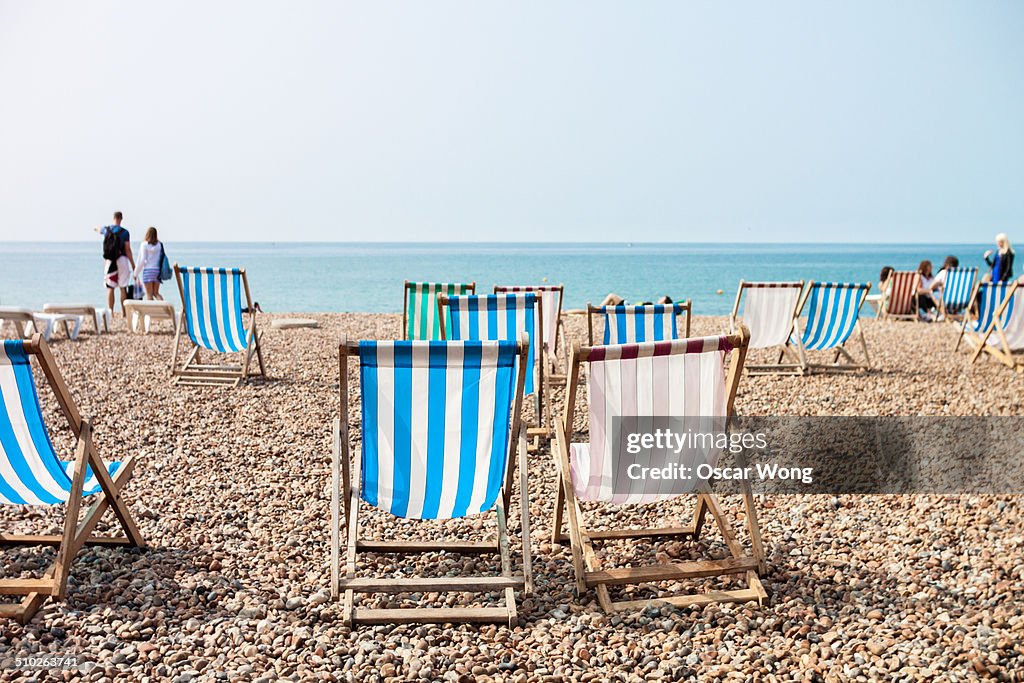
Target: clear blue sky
x=666, y=121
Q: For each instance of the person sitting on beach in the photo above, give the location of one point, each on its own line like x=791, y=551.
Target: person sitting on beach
x=147, y=271
x=117, y=259
x=926, y=303
x=1000, y=261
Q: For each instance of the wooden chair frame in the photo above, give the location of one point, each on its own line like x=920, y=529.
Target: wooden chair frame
x=589, y=572
x=193, y=372
x=409, y=284
x=883, y=310
x=542, y=395
x=345, y=480
x=77, y=533
x=798, y=361
x=841, y=351
x=595, y=311
x=1001, y=352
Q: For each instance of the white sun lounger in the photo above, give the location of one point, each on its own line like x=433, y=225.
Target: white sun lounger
x=100, y=317
x=27, y=322
x=148, y=311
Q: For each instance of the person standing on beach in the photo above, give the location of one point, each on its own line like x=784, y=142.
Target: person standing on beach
x=1001, y=260
x=117, y=258
x=151, y=256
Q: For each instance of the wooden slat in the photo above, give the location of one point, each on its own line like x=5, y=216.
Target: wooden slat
x=617, y=534
x=51, y=539
x=8, y=611
x=468, y=547
x=420, y=615
x=741, y=595
x=670, y=572
x=480, y=584
x=26, y=586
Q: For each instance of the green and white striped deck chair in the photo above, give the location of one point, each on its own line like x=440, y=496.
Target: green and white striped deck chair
x=421, y=311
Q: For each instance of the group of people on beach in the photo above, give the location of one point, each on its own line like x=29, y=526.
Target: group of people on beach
x=929, y=293
x=121, y=270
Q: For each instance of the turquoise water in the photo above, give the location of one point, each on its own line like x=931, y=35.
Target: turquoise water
x=303, y=277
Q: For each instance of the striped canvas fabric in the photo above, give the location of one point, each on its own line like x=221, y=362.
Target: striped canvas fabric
x=682, y=378
x=956, y=292
x=30, y=472
x=768, y=312
x=834, y=308
x=630, y=324
x=902, y=286
x=213, y=308
x=421, y=307
x=1012, y=321
x=550, y=305
x=990, y=296
x=435, y=425
x=497, y=317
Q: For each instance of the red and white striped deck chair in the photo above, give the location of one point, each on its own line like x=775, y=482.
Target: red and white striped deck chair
x=770, y=312
x=683, y=378
x=899, y=296
x=551, y=297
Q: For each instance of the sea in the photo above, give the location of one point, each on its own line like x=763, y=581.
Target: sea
x=300, y=277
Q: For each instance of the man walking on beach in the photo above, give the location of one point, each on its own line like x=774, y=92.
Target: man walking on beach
x=117, y=258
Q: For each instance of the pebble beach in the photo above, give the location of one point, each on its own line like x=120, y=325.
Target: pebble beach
x=232, y=490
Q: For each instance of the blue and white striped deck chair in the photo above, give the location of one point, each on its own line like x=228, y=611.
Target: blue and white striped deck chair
x=440, y=435
x=31, y=473
x=211, y=315
x=833, y=315
x=956, y=291
x=986, y=299
x=504, y=317
x=1004, y=337
x=638, y=323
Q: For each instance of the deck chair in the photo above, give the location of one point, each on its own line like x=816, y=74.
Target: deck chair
x=1005, y=333
x=833, y=316
x=31, y=473
x=420, y=319
x=505, y=317
x=551, y=297
x=650, y=379
x=633, y=323
x=899, y=296
x=440, y=436
x=986, y=298
x=211, y=314
x=956, y=292
x=770, y=313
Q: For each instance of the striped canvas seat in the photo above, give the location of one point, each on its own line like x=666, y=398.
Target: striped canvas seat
x=768, y=311
x=833, y=314
x=681, y=378
x=632, y=324
x=212, y=301
x=989, y=297
x=1011, y=321
x=956, y=291
x=421, y=319
x=30, y=471
x=550, y=307
x=441, y=437
x=497, y=317
x=900, y=294
x=999, y=327
x=629, y=386
x=436, y=428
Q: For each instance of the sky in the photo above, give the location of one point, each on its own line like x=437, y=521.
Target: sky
x=551, y=120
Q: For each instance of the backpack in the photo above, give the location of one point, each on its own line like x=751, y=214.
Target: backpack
x=165, y=265
x=113, y=248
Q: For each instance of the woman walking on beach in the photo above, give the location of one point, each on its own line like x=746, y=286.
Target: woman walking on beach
x=151, y=256
x=1001, y=260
